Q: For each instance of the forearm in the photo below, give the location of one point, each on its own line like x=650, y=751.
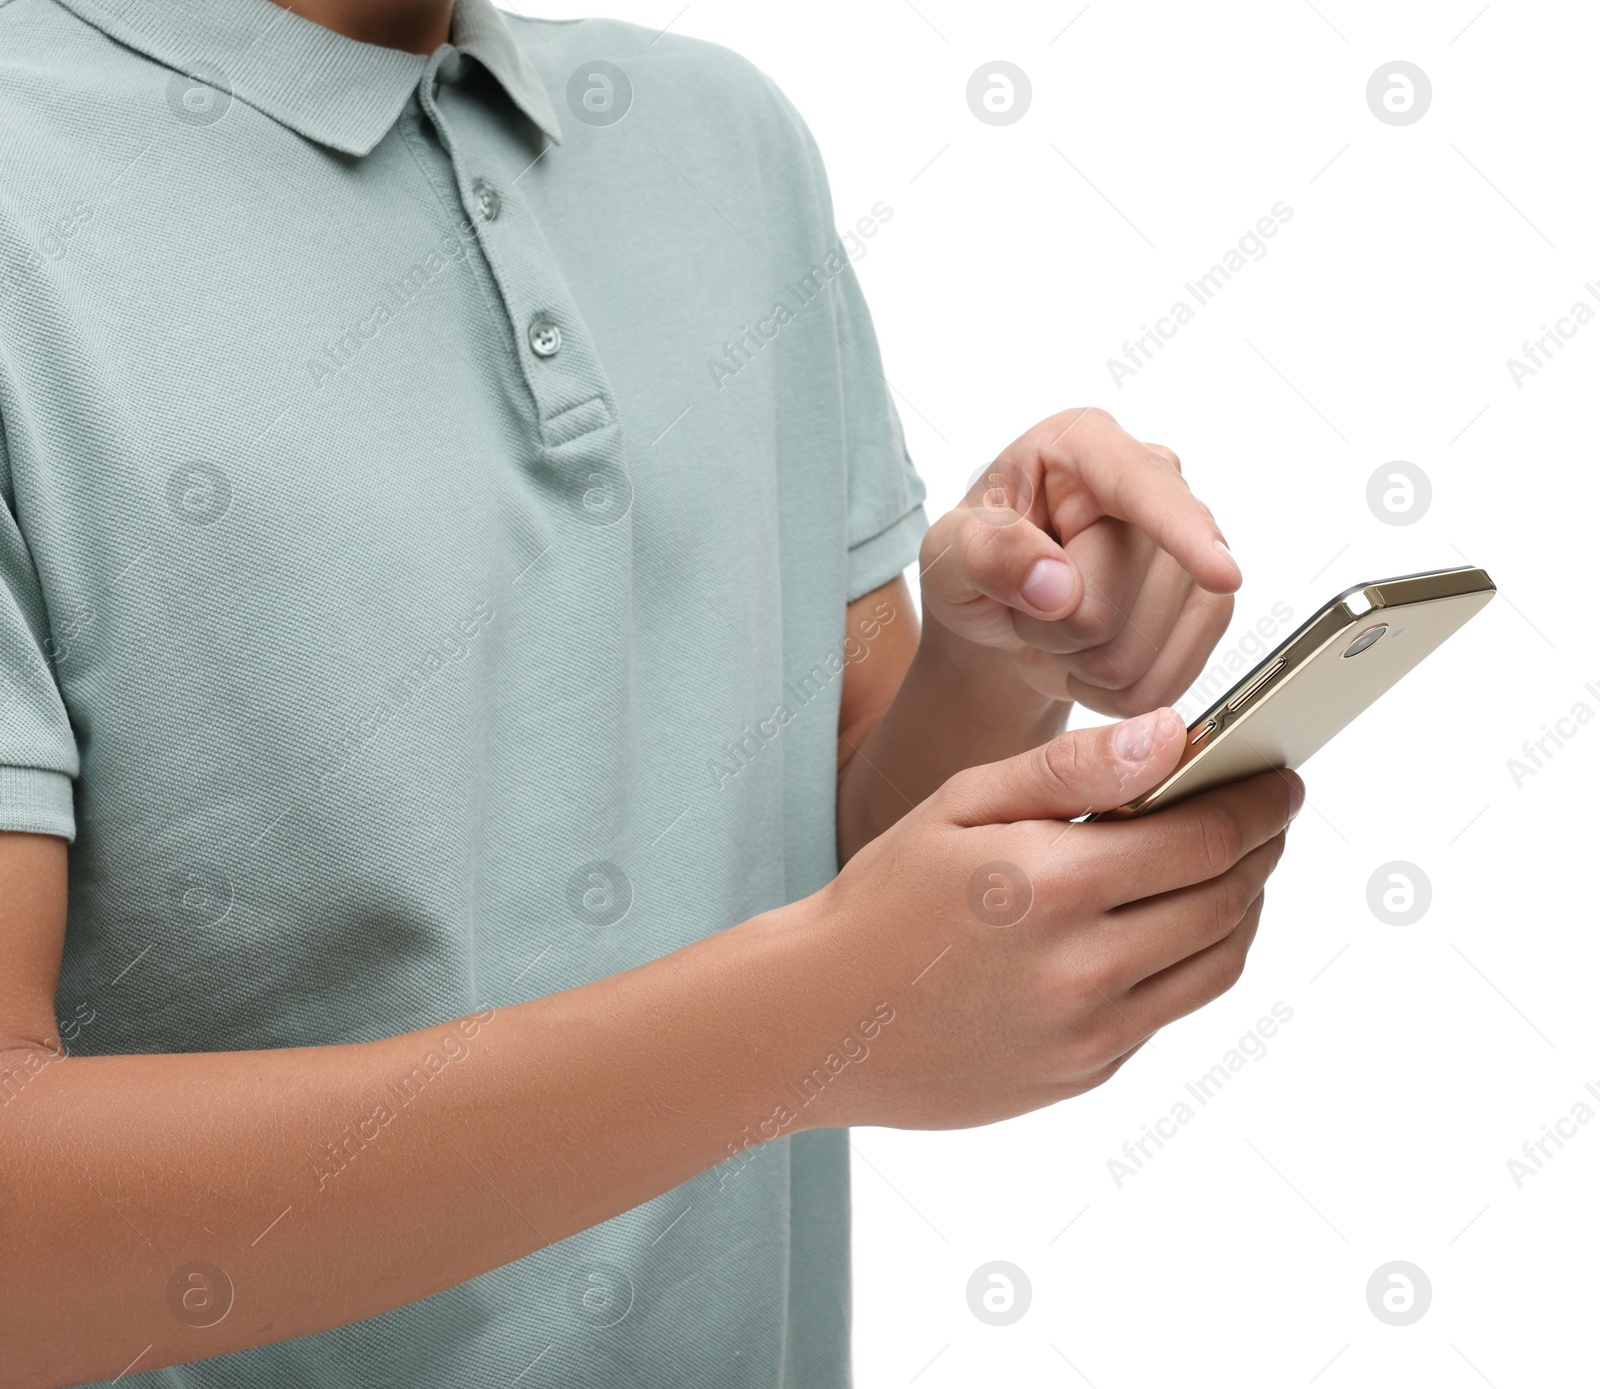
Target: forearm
x=330, y=1184
x=959, y=706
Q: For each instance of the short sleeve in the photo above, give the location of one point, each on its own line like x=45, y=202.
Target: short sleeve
x=38, y=752
x=886, y=520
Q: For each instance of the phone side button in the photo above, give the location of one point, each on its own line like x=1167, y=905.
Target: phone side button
x=1205, y=730
x=1250, y=691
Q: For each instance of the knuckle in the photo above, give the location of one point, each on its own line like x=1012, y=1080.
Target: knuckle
x=958, y=790
x=1067, y=855
x=1167, y=456
x=1230, y=966
x=1102, y=977
x=941, y=535
x=945, y=561
x=1049, y=638
x=1100, y=1051
x=1097, y=624
x=1065, y=760
x=1221, y=839
x=1231, y=899
x=957, y=784
x=940, y=532
x=1085, y=984
x=1094, y=1078
x=971, y=543
x=1225, y=964
x=1113, y=667
x=1108, y=1069
x=1234, y=953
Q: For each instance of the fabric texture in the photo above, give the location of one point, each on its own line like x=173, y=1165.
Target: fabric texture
x=421, y=487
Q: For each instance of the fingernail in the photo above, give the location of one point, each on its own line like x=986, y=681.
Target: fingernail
x=1133, y=740
x=1297, y=795
x=1048, y=586
x=1227, y=554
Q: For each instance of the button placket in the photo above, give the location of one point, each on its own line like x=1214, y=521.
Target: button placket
x=571, y=396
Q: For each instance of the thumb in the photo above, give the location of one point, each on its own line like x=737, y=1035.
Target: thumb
x=1071, y=775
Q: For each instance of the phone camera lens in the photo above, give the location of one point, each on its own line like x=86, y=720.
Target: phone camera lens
x=1366, y=639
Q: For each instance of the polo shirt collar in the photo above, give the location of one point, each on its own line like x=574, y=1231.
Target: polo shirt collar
x=331, y=89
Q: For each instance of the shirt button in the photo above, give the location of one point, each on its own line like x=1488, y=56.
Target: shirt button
x=487, y=199
x=452, y=66
x=545, y=338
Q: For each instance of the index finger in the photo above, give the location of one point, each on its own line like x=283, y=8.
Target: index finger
x=1130, y=481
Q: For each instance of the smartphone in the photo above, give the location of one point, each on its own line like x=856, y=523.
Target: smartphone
x=1322, y=677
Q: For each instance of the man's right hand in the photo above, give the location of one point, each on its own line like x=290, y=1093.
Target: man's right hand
x=1027, y=958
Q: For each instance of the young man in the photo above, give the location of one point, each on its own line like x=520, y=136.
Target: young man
x=450, y=607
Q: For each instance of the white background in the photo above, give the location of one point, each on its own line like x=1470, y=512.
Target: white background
x=1419, y=1058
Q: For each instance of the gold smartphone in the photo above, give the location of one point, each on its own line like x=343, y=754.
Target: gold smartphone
x=1321, y=678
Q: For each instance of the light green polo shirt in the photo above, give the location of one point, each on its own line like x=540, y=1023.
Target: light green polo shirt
x=431, y=493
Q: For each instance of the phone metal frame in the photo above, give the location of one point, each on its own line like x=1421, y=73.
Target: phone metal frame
x=1307, y=689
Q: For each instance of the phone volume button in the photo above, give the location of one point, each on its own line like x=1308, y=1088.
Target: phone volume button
x=1250, y=691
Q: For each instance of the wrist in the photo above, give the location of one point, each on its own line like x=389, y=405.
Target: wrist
x=822, y=1078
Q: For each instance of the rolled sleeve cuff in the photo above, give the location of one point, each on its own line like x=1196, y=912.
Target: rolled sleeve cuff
x=36, y=801
x=875, y=561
